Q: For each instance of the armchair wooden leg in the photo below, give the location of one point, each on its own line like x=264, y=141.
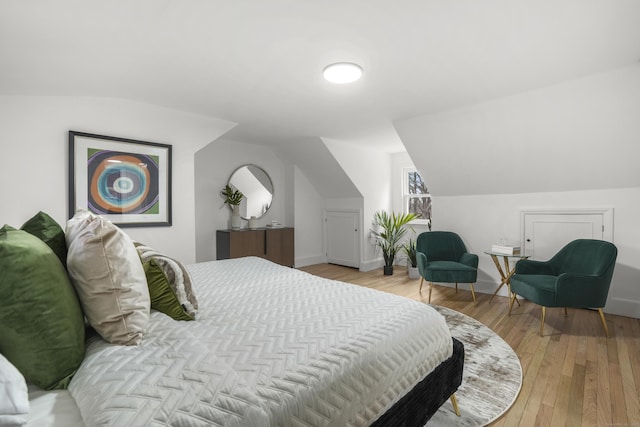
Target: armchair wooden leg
x=430, y=288
x=604, y=322
x=456, y=287
x=473, y=294
x=565, y=312
x=421, y=281
x=454, y=402
x=544, y=311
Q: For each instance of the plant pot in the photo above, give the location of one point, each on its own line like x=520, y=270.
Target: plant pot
x=235, y=217
x=388, y=270
x=413, y=272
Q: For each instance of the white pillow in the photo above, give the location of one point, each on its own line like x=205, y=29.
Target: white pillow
x=14, y=397
x=107, y=273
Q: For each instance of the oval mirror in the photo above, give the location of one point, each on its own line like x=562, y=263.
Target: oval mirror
x=256, y=186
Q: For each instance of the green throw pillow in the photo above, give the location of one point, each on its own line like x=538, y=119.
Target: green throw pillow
x=163, y=298
x=41, y=323
x=49, y=231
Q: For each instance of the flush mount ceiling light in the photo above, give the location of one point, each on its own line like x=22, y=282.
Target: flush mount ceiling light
x=342, y=72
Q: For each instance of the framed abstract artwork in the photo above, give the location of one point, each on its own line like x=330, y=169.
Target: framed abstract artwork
x=124, y=180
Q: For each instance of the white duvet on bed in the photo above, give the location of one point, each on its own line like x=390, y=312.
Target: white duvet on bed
x=271, y=346
x=52, y=409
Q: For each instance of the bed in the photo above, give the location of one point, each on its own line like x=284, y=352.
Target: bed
x=270, y=346
x=276, y=346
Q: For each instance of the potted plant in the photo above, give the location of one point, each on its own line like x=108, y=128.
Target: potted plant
x=233, y=198
x=388, y=231
x=412, y=259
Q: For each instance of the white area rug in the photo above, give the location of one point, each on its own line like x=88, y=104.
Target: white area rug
x=492, y=374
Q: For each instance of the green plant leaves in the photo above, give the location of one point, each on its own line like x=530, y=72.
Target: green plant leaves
x=389, y=229
x=232, y=197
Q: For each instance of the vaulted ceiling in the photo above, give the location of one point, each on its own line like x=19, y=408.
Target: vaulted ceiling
x=259, y=63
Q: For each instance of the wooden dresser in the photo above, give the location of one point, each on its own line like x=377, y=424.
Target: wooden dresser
x=274, y=244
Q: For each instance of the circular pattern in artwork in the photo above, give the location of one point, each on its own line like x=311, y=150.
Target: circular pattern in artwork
x=122, y=183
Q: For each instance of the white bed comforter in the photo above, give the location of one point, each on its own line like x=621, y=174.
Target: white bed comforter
x=272, y=346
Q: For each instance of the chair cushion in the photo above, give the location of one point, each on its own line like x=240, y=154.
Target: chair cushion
x=440, y=245
x=585, y=256
x=537, y=288
x=450, y=272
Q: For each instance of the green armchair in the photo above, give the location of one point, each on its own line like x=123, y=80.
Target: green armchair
x=578, y=276
x=442, y=257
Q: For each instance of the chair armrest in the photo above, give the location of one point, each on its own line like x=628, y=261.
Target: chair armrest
x=422, y=262
x=528, y=266
x=469, y=259
x=582, y=290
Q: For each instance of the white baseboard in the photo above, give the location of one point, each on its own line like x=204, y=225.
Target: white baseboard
x=372, y=265
x=489, y=287
x=617, y=306
x=309, y=260
x=319, y=259
x=623, y=307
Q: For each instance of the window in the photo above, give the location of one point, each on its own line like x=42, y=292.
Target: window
x=416, y=197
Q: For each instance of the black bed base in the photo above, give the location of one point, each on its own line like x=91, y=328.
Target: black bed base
x=419, y=405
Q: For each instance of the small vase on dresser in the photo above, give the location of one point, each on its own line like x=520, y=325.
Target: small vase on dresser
x=233, y=198
x=253, y=223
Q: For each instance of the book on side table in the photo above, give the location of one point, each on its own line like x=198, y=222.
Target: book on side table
x=505, y=249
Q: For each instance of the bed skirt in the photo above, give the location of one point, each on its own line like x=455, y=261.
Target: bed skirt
x=419, y=405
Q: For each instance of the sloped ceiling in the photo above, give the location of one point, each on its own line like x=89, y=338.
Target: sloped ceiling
x=259, y=63
x=320, y=167
x=579, y=135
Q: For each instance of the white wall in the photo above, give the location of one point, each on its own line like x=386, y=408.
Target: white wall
x=213, y=167
x=34, y=152
x=481, y=220
x=399, y=161
x=309, y=225
x=318, y=183
x=307, y=180
x=560, y=147
x=370, y=171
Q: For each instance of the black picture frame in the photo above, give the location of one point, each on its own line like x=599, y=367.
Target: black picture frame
x=127, y=181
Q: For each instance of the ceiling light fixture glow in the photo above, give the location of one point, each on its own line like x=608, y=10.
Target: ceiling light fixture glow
x=342, y=72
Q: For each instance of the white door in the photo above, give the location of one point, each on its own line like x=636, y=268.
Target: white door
x=342, y=237
x=545, y=233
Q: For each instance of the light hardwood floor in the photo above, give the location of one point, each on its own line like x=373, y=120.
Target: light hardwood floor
x=573, y=376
